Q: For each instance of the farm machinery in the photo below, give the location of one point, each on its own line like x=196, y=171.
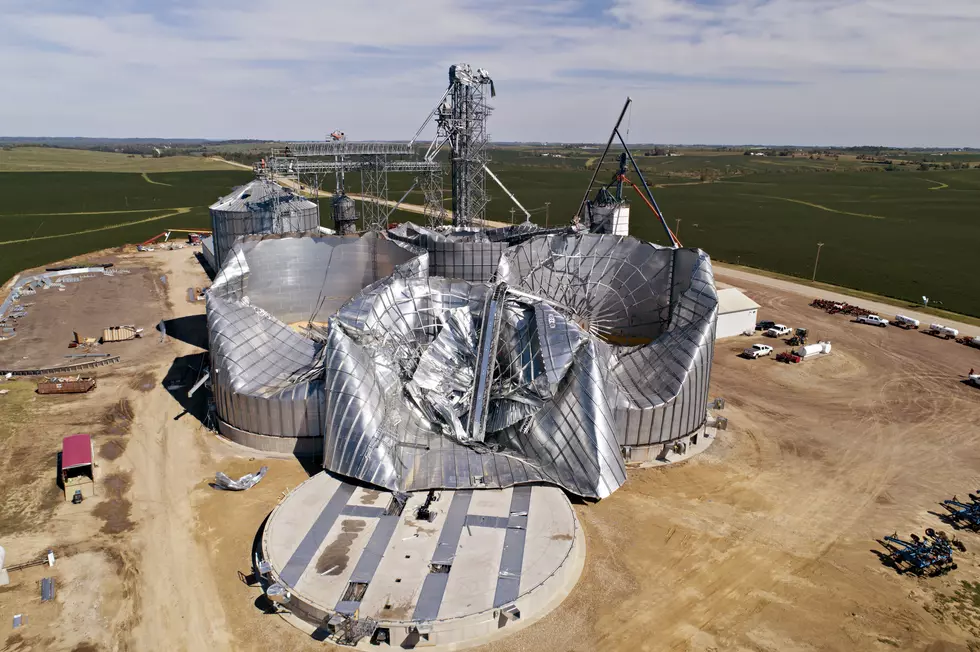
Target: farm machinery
x=798, y=339
x=834, y=307
x=788, y=357
x=962, y=514
x=931, y=555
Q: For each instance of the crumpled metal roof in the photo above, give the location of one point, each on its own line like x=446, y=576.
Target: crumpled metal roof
x=260, y=194
x=577, y=345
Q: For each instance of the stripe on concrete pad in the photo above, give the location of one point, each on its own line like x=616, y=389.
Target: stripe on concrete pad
x=512, y=557
x=363, y=511
x=478, y=520
x=375, y=549
x=453, y=527
x=303, y=555
x=434, y=586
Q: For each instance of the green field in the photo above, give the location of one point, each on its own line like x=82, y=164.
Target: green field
x=50, y=216
x=900, y=234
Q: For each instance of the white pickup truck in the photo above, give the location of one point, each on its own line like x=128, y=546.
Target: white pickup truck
x=874, y=320
x=757, y=351
x=778, y=330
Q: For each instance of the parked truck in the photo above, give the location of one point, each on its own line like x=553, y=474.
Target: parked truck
x=778, y=330
x=756, y=351
x=874, y=320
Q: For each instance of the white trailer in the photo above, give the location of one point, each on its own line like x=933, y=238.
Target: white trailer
x=906, y=322
x=944, y=332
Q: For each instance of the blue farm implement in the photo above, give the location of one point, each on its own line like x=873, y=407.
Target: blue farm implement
x=932, y=555
x=965, y=515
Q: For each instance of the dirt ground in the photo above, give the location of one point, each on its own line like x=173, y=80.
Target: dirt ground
x=765, y=542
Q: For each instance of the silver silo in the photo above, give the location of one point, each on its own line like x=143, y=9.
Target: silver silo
x=344, y=215
x=257, y=208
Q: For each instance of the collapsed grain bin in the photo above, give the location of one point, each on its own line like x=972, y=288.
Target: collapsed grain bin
x=259, y=207
x=575, y=350
x=266, y=311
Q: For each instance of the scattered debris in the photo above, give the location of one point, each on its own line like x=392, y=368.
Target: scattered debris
x=247, y=481
x=47, y=559
x=47, y=589
x=20, y=620
x=78, y=339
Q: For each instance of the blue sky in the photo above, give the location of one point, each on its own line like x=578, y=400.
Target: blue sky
x=894, y=72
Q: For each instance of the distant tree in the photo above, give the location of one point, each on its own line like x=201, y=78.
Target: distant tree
x=923, y=167
x=746, y=153
x=659, y=151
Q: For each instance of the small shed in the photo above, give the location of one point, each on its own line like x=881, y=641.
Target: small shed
x=737, y=313
x=77, y=466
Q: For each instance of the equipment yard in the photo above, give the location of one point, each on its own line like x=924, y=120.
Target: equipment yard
x=766, y=541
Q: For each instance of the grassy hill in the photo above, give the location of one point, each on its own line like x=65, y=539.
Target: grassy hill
x=54, y=159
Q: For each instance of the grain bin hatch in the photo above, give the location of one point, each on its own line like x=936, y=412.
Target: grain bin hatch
x=77, y=467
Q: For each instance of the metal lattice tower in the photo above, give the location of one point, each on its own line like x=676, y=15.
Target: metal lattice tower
x=462, y=120
x=374, y=193
x=435, y=209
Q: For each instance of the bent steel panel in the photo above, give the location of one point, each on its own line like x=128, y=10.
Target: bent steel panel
x=591, y=342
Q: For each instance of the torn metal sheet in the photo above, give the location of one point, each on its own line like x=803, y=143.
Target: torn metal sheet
x=247, y=481
x=522, y=357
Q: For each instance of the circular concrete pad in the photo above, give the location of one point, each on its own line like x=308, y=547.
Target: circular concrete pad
x=485, y=563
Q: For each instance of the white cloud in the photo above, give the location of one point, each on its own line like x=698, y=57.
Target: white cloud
x=800, y=71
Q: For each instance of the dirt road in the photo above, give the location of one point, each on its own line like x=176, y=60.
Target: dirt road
x=168, y=460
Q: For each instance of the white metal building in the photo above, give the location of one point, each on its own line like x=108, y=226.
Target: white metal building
x=736, y=313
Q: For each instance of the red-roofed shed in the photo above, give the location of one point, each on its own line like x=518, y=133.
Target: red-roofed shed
x=77, y=466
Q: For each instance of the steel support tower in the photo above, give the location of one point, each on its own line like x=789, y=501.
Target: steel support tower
x=301, y=162
x=462, y=122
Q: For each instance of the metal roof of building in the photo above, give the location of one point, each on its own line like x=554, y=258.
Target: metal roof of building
x=733, y=300
x=76, y=451
x=259, y=194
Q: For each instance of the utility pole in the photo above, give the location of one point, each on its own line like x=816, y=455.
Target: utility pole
x=547, y=206
x=512, y=215
x=677, y=228
x=815, y=262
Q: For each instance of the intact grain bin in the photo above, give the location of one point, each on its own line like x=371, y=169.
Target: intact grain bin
x=259, y=207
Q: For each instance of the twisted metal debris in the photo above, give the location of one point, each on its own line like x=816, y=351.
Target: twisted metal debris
x=465, y=359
